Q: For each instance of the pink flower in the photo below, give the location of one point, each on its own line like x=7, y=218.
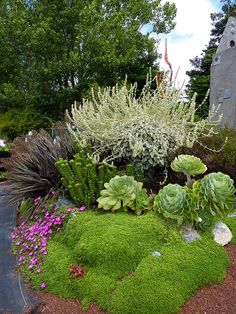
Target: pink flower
x=69, y=209
x=21, y=258
x=43, y=285
x=82, y=208
x=37, y=200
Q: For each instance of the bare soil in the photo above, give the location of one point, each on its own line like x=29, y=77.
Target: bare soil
x=52, y=304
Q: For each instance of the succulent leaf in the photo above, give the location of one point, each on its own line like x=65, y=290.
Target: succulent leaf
x=216, y=193
x=142, y=202
x=176, y=202
x=120, y=191
x=188, y=164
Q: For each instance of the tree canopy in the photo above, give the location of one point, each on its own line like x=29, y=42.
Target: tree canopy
x=53, y=51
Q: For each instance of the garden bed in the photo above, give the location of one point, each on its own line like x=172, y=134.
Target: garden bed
x=209, y=299
x=124, y=262
x=97, y=226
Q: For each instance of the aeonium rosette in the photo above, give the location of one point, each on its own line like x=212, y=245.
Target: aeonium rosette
x=176, y=202
x=189, y=165
x=120, y=191
x=216, y=193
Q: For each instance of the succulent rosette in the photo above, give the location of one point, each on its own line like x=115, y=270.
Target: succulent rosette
x=142, y=202
x=216, y=193
x=188, y=164
x=120, y=192
x=176, y=202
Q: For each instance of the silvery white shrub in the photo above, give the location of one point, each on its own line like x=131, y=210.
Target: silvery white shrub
x=145, y=128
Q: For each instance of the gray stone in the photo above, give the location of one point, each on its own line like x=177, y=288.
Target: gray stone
x=232, y=215
x=222, y=234
x=156, y=254
x=190, y=233
x=64, y=202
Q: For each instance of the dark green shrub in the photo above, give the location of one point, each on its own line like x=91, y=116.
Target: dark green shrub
x=217, y=153
x=4, y=154
x=18, y=121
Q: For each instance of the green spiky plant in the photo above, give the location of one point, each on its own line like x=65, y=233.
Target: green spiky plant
x=84, y=177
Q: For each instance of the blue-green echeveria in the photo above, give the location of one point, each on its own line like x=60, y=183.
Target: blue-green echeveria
x=216, y=193
x=188, y=164
x=176, y=202
x=120, y=192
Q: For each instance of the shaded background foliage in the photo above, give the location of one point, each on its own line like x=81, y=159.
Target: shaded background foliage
x=53, y=51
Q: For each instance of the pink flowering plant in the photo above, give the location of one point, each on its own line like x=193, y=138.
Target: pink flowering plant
x=30, y=238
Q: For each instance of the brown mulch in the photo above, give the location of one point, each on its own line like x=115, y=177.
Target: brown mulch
x=214, y=299
x=52, y=304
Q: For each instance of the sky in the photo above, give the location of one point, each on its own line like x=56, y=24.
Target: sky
x=190, y=35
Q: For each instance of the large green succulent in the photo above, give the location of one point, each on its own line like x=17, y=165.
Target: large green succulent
x=120, y=192
x=216, y=193
x=176, y=202
x=188, y=164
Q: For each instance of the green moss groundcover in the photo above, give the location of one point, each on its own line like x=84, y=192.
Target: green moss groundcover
x=124, y=271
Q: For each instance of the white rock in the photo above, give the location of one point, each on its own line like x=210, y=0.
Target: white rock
x=156, y=254
x=233, y=215
x=222, y=234
x=190, y=233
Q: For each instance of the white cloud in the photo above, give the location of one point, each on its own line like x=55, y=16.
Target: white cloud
x=190, y=36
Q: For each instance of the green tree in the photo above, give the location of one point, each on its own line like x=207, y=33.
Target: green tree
x=57, y=49
x=200, y=74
